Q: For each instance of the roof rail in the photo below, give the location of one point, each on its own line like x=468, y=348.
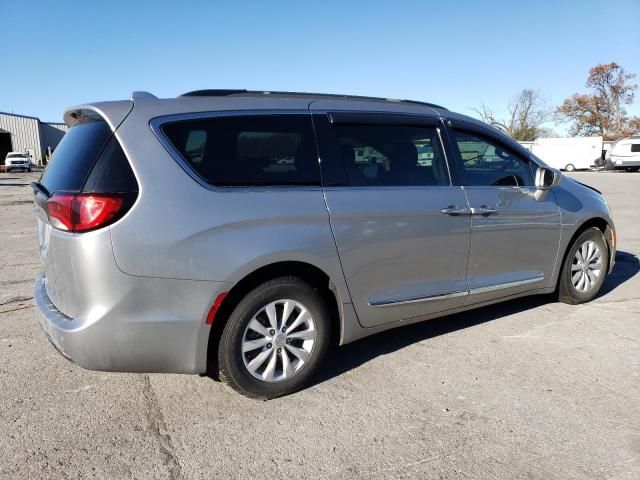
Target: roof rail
x=228, y=92
x=214, y=92
x=428, y=104
x=141, y=95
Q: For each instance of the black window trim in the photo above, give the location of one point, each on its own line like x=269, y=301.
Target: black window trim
x=379, y=118
x=489, y=135
x=156, y=124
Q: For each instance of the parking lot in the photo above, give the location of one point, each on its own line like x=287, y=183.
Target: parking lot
x=525, y=389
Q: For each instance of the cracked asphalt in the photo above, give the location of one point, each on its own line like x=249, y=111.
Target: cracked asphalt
x=526, y=389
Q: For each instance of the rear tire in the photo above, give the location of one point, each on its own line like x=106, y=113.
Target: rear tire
x=584, y=269
x=274, y=356
x=570, y=168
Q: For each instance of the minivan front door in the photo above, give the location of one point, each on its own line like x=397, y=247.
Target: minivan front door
x=402, y=230
x=514, y=238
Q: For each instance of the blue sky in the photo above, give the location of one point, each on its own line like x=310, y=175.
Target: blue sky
x=458, y=54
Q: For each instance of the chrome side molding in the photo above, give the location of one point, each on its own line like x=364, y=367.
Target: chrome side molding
x=403, y=301
x=445, y=296
x=499, y=286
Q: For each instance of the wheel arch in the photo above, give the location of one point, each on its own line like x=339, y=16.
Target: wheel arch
x=312, y=274
x=601, y=224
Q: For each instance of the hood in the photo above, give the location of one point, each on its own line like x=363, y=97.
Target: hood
x=585, y=185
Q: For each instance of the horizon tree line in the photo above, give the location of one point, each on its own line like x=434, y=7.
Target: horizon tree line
x=599, y=112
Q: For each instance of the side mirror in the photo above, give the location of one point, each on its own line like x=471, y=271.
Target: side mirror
x=546, y=179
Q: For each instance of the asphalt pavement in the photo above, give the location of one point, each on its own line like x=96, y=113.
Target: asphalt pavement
x=526, y=389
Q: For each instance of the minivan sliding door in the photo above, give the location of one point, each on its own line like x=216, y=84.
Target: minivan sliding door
x=402, y=229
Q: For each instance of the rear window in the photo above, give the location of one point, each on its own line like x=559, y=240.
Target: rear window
x=74, y=156
x=111, y=172
x=635, y=147
x=89, y=158
x=245, y=151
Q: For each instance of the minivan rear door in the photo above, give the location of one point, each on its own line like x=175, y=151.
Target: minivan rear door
x=88, y=162
x=401, y=227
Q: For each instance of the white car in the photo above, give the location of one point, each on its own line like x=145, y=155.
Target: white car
x=17, y=160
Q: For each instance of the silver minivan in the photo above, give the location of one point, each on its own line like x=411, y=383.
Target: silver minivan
x=243, y=233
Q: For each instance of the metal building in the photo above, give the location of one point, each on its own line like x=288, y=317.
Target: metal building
x=20, y=133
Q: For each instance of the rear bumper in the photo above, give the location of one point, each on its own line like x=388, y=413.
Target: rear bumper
x=139, y=333
x=54, y=323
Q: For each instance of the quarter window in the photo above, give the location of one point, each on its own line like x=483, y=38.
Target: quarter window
x=391, y=155
x=486, y=162
x=245, y=151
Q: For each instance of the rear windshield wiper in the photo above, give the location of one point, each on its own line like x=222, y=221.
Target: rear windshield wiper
x=38, y=187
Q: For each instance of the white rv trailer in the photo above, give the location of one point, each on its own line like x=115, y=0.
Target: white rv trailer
x=573, y=153
x=625, y=153
x=526, y=144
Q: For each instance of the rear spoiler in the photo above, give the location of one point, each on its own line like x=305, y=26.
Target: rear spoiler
x=113, y=113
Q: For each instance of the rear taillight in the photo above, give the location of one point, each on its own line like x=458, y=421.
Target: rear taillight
x=95, y=211
x=60, y=211
x=84, y=211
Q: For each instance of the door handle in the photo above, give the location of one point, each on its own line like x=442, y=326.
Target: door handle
x=453, y=210
x=483, y=210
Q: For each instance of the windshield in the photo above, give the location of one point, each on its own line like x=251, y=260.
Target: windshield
x=16, y=155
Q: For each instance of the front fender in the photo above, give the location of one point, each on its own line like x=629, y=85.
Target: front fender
x=582, y=206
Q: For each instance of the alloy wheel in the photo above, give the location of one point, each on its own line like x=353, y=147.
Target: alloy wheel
x=278, y=340
x=586, y=266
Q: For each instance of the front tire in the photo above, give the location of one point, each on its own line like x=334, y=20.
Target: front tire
x=584, y=269
x=275, y=339
x=570, y=168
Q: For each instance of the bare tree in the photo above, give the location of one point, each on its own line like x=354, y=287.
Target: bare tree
x=602, y=112
x=527, y=113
